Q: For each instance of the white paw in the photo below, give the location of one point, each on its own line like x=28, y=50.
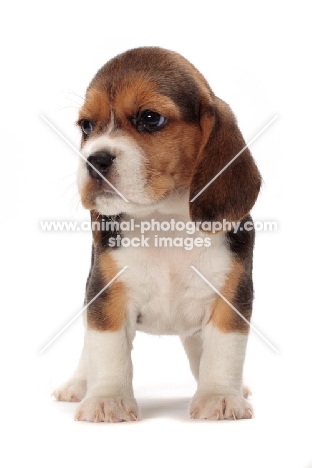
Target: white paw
x=215, y=407
x=72, y=390
x=107, y=409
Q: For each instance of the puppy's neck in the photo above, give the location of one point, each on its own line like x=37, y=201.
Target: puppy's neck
x=175, y=206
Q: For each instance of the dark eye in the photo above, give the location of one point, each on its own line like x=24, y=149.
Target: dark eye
x=149, y=121
x=86, y=126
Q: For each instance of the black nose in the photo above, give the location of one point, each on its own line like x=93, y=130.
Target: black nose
x=100, y=161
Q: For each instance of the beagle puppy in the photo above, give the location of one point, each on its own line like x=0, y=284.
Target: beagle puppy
x=159, y=152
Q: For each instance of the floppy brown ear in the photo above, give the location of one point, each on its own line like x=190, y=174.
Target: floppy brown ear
x=234, y=191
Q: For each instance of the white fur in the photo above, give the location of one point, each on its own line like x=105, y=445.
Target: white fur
x=109, y=388
x=193, y=348
x=111, y=124
x=109, y=362
x=126, y=173
x=169, y=296
x=220, y=392
x=222, y=360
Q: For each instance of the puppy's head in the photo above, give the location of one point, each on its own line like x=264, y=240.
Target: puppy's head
x=151, y=127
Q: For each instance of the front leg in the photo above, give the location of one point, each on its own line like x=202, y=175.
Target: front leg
x=109, y=396
x=220, y=393
x=75, y=388
x=109, y=335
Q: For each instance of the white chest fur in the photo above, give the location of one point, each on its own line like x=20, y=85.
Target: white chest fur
x=165, y=293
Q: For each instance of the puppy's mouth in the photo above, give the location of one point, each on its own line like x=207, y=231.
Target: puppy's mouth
x=105, y=186
x=105, y=190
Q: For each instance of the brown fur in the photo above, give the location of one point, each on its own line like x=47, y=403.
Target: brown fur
x=171, y=152
x=232, y=195
x=97, y=234
x=96, y=107
x=223, y=316
x=171, y=158
x=142, y=94
x=88, y=193
x=107, y=313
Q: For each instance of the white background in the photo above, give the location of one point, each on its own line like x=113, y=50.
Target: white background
x=256, y=57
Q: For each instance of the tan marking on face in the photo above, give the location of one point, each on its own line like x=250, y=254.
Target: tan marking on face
x=140, y=94
x=96, y=106
x=172, y=152
x=223, y=316
x=109, y=311
x=171, y=160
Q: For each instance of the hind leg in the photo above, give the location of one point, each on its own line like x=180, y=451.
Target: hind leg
x=75, y=388
x=193, y=348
